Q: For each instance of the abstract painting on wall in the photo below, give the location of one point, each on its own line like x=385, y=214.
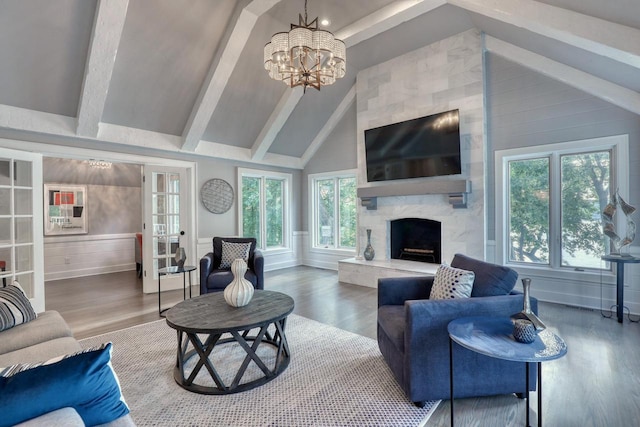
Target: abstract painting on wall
x=65, y=209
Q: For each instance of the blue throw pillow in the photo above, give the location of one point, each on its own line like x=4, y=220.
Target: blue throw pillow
x=84, y=381
x=491, y=279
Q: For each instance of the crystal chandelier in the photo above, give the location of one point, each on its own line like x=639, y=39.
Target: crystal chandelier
x=305, y=56
x=99, y=164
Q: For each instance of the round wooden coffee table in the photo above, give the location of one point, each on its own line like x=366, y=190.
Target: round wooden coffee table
x=211, y=316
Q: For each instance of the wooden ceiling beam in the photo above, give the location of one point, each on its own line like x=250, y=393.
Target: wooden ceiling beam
x=105, y=39
x=608, y=39
x=600, y=88
x=234, y=41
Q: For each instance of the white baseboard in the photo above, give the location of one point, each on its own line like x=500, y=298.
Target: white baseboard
x=71, y=274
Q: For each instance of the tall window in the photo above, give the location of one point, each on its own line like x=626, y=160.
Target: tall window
x=553, y=201
x=333, y=210
x=265, y=206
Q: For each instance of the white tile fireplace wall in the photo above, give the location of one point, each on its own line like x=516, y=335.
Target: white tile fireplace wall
x=439, y=77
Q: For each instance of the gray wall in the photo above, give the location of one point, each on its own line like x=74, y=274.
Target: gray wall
x=526, y=108
x=226, y=224
x=337, y=153
x=114, y=196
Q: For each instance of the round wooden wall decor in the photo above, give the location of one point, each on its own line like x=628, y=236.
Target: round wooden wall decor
x=216, y=195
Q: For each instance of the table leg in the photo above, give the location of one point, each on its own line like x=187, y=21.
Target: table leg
x=527, y=393
x=620, y=291
x=159, y=309
x=184, y=285
x=451, y=377
x=539, y=394
x=189, y=284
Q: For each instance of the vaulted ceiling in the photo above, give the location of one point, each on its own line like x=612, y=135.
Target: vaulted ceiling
x=168, y=76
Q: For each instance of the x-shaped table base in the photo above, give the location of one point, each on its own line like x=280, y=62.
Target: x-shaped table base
x=204, y=350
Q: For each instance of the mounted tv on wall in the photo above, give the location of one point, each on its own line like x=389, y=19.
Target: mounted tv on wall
x=423, y=147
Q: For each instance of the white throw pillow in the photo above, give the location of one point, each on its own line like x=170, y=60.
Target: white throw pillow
x=231, y=251
x=452, y=283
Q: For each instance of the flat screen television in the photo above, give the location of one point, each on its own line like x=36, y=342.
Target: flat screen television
x=423, y=147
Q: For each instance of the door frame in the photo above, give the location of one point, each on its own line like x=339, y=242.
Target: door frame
x=150, y=281
x=60, y=151
x=37, y=215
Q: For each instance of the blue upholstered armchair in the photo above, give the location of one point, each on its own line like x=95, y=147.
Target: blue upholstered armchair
x=214, y=279
x=413, y=337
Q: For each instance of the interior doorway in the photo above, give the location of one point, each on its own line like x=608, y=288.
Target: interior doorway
x=111, y=208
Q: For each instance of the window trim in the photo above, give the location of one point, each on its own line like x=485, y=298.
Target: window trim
x=619, y=146
x=286, y=214
x=313, y=212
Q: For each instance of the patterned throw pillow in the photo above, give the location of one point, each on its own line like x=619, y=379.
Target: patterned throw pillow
x=232, y=251
x=15, y=307
x=452, y=283
x=84, y=381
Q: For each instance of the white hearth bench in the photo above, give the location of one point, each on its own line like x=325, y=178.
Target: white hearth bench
x=366, y=273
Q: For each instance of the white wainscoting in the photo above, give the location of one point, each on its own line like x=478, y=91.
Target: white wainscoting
x=592, y=290
x=322, y=258
x=66, y=257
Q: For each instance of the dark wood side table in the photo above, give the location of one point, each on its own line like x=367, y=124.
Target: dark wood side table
x=492, y=336
x=262, y=321
x=620, y=261
x=176, y=270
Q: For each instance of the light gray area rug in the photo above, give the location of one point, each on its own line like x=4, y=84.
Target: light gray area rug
x=335, y=378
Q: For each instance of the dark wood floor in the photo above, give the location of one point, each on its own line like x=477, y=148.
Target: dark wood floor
x=596, y=384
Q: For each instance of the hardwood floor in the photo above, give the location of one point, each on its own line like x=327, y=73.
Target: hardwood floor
x=596, y=384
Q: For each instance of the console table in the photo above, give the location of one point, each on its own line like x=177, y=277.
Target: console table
x=620, y=261
x=492, y=336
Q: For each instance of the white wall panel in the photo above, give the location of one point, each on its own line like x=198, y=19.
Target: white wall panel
x=78, y=256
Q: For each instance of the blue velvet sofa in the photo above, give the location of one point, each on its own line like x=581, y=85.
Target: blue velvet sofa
x=413, y=338
x=215, y=279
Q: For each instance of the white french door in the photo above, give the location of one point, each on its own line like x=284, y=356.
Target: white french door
x=167, y=224
x=21, y=227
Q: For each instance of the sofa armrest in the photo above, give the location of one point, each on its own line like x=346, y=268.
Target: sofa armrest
x=206, y=266
x=397, y=290
x=427, y=320
x=258, y=268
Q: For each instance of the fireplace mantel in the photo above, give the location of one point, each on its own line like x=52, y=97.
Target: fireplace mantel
x=456, y=189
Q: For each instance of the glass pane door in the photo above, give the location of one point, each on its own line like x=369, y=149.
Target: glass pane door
x=167, y=225
x=21, y=243
x=165, y=218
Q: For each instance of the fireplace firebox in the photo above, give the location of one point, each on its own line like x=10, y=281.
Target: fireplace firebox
x=416, y=239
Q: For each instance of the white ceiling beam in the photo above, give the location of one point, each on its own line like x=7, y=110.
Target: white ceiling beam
x=386, y=18
x=600, y=88
x=22, y=119
x=604, y=38
x=276, y=121
x=330, y=125
x=218, y=76
x=363, y=29
x=138, y=137
x=54, y=127
x=107, y=30
x=229, y=152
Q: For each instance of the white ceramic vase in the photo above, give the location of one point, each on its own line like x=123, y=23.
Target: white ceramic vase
x=239, y=292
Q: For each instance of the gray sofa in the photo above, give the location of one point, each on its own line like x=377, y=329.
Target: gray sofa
x=39, y=340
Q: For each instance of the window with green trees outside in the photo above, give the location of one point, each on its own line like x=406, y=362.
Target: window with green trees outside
x=265, y=204
x=334, y=211
x=554, y=206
